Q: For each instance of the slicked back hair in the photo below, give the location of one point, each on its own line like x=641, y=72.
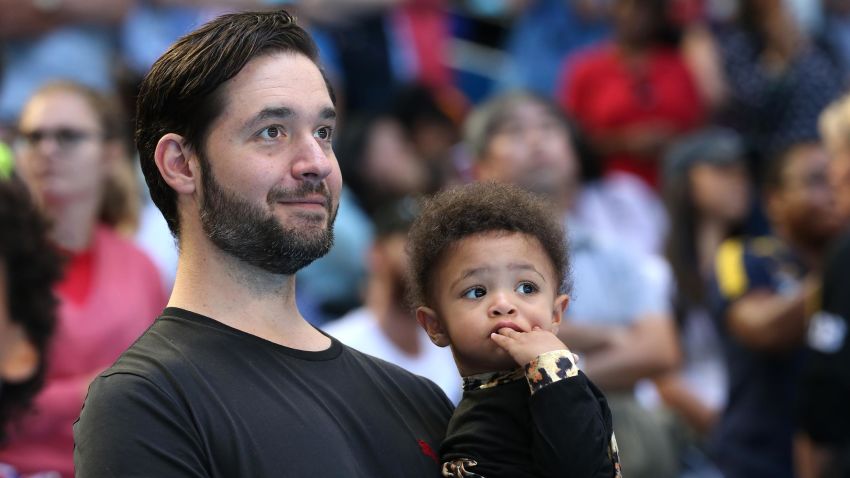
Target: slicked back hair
x=181, y=94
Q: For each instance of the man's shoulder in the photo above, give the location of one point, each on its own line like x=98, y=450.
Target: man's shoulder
x=155, y=356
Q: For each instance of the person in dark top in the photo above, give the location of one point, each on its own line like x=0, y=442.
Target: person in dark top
x=823, y=440
x=764, y=291
x=823, y=413
x=29, y=268
x=234, y=130
x=488, y=264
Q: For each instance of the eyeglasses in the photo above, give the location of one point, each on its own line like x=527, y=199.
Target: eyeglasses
x=65, y=138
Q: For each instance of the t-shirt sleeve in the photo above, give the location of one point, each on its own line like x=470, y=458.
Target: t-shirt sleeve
x=573, y=429
x=130, y=427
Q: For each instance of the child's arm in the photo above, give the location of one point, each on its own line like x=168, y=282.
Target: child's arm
x=573, y=429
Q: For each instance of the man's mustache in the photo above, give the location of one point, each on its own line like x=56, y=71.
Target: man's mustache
x=304, y=191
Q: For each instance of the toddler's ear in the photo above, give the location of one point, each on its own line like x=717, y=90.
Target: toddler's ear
x=558, y=308
x=430, y=321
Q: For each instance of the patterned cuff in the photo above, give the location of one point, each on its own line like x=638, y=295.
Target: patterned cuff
x=550, y=367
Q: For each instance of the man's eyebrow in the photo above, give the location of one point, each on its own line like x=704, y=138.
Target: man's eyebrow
x=280, y=112
x=327, y=114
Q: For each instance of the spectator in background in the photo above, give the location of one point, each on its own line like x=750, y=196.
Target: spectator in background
x=522, y=139
x=546, y=32
x=385, y=327
x=69, y=138
x=707, y=194
x=778, y=80
x=379, y=162
x=45, y=41
x=765, y=288
x=823, y=442
x=431, y=123
x=379, y=165
x=29, y=266
x=632, y=97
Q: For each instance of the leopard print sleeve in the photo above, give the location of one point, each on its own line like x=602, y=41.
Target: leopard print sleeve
x=551, y=367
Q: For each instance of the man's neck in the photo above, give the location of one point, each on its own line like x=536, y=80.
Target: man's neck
x=213, y=283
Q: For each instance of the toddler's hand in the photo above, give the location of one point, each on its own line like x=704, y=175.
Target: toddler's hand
x=526, y=346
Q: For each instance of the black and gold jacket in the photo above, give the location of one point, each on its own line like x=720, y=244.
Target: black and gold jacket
x=542, y=420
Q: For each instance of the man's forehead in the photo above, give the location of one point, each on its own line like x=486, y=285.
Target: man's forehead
x=278, y=80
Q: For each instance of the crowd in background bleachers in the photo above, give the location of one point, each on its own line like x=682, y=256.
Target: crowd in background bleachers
x=680, y=139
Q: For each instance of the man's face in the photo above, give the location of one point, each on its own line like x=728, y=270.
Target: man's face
x=530, y=148
x=804, y=203
x=270, y=180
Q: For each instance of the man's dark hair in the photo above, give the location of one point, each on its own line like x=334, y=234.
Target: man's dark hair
x=463, y=211
x=181, y=93
x=31, y=266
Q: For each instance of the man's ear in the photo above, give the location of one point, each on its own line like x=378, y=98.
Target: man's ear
x=430, y=321
x=559, y=307
x=173, y=159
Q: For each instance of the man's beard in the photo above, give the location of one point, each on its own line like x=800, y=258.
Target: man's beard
x=254, y=235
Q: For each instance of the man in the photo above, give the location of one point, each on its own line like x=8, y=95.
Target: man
x=234, y=130
x=765, y=290
x=385, y=327
x=619, y=319
x=823, y=440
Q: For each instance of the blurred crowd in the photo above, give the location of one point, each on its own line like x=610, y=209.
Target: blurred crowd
x=699, y=151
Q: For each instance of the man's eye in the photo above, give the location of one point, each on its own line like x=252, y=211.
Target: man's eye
x=474, y=293
x=271, y=132
x=526, y=288
x=324, y=133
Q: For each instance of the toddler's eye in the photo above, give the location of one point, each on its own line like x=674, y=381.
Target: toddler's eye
x=474, y=292
x=271, y=132
x=526, y=288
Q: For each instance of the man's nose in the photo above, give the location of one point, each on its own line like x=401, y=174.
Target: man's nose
x=313, y=162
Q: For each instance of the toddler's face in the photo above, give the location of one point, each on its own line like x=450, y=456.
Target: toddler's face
x=485, y=282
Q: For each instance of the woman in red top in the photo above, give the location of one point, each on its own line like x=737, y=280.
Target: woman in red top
x=631, y=97
x=634, y=95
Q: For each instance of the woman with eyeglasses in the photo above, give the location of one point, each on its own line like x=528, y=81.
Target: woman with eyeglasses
x=70, y=139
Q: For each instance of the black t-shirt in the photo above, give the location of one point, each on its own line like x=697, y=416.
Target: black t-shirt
x=196, y=398
x=825, y=390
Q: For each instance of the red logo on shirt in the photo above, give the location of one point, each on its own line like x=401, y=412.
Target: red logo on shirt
x=428, y=451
